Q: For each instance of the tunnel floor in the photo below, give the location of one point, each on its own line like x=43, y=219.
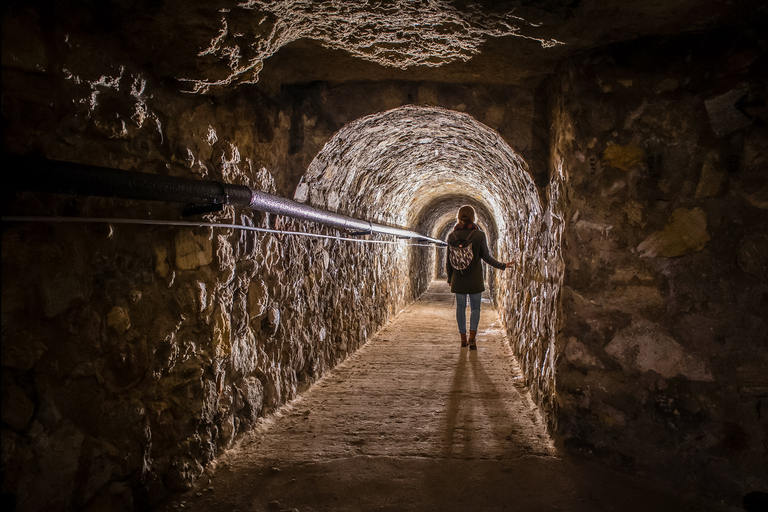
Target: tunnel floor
x=414, y=422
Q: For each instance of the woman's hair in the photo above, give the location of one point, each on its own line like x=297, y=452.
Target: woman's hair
x=466, y=215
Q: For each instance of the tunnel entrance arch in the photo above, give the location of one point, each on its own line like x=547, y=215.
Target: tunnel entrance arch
x=414, y=166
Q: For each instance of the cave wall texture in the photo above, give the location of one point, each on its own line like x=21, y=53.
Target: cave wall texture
x=662, y=342
x=132, y=355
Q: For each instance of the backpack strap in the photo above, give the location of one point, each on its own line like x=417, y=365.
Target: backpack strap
x=469, y=235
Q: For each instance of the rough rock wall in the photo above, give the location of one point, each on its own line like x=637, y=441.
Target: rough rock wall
x=132, y=354
x=528, y=298
x=662, y=358
x=137, y=353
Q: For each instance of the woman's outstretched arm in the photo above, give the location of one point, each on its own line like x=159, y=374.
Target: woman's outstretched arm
x=486, y=255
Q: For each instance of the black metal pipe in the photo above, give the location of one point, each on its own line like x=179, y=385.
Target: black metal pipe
x=68, y=178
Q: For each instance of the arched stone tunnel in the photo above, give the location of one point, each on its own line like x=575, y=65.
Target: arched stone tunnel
x=616, y=155
x=416, y=166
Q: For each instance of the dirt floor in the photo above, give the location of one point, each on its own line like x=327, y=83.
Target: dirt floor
x=413, y=422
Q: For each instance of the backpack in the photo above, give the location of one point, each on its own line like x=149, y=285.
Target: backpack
x=460, y=255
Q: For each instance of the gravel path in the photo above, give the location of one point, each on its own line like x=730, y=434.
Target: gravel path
x=414, y=422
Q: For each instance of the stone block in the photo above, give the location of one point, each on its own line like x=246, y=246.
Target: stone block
x=610, y=416
x=666, y=85
x=225, y=254
x=578, y=354
x=755, y=191
x=685, y=232
x=494, y=116
x=724, y=116
x=20, y=351
x=753, y=255
x=126, y=364
x=713, y=177
x=645, y=346
x=252, y=395
x=755, y=155
x=182, y=473
x=162, y=268
x=119, y=319
x=257, y=298
x=121, y=417
x=677, y=167
x=222, y=332
x=631, y=298
x=227, y=431
x=623, y=157
x=635, y=212
x=192, y=251
x=753, y=178
x=271, y=322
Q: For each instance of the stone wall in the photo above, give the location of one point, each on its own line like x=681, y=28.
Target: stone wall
x=132, y=355
x=528, y=298
x=661, y=349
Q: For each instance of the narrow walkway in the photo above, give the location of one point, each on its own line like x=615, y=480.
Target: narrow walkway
x=413, y=422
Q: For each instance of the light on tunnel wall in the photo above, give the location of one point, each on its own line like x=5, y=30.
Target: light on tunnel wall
x=389, y=166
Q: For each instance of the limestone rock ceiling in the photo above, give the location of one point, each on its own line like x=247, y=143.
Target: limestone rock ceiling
x=218, y=43
x=400, y=34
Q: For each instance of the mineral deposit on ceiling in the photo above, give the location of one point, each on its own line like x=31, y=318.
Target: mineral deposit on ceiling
x=401, y=33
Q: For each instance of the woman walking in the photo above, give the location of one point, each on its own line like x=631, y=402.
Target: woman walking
x=466, y=246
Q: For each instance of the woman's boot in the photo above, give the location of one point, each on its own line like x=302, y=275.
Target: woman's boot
x=472, y=336
x=463, y=339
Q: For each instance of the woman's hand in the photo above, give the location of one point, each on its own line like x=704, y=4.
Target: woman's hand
x=510, y=264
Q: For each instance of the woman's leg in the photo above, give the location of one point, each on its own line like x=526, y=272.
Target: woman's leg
x=474, y=318
x=474, y=306
x=461, y=312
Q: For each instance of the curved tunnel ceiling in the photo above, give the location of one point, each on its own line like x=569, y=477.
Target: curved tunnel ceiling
x=395, y=166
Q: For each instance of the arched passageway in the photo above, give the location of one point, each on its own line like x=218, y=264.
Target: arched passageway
x=415, y=166
x=133, y=356
x=250, y=322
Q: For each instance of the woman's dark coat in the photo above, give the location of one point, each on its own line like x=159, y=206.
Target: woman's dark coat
x=471, y=279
